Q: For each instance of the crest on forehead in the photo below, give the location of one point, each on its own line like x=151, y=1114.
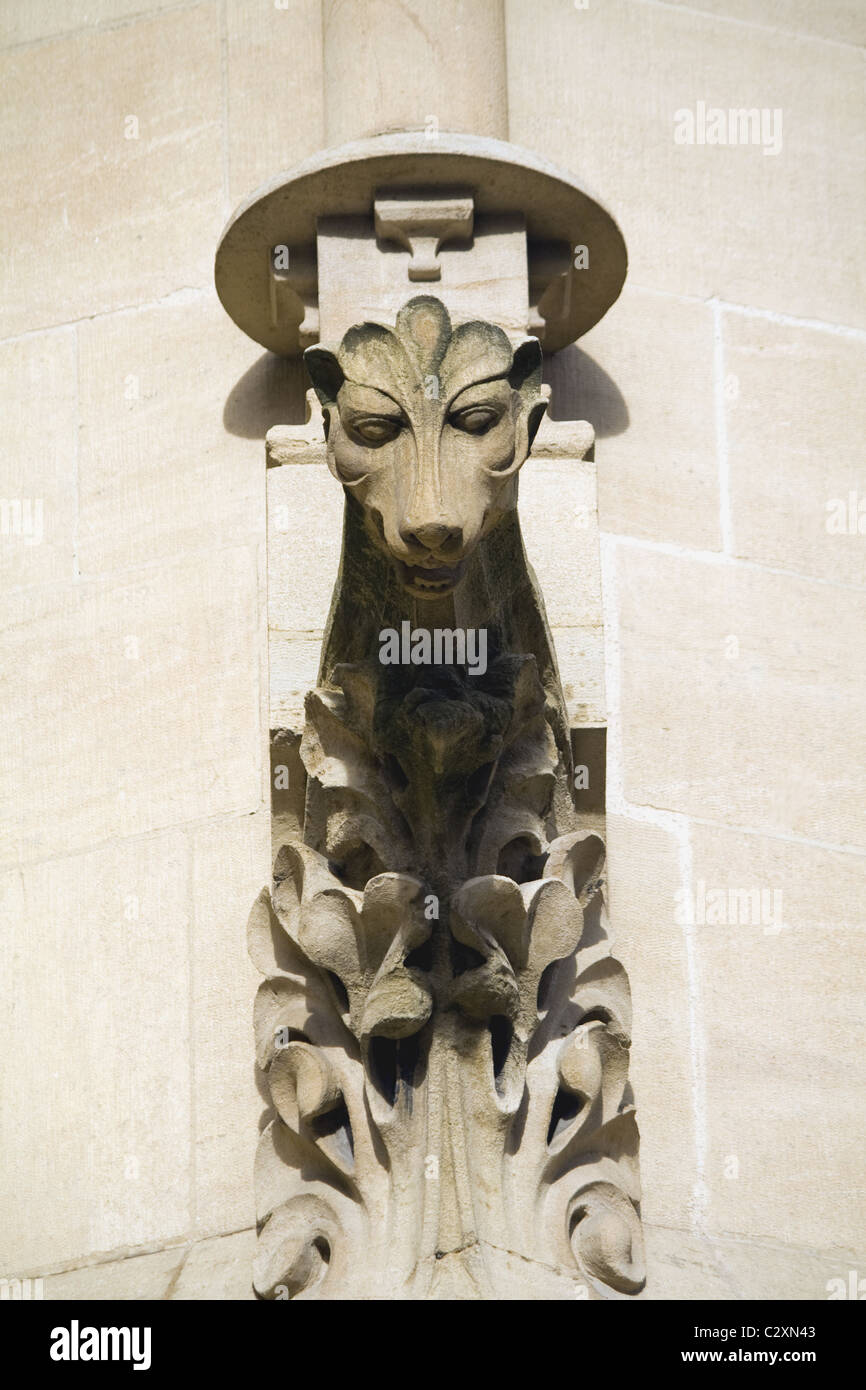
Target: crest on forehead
x=400, y=361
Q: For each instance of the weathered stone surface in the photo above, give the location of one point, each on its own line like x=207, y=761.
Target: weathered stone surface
x=137, y=1278
x=771, y=734
x=766, y=1270
x=231, y=863
x=389, y=67
x=294, y=664
x=657, y=448
x=84, y=197
x=561, y=538
x=703, y=220
x=144, y=709
x=644, y=875
x=481, y=275
x=798, y=498
x=95, y=1053
x=842, y=20
x=782, y=911
x=272, y=48
x=580, y=657
x=821, y=889
x=37, y=484
x=218, y=1269
x=159, y=476
x=305, y=531
x=42, y=19
x=682, y=1266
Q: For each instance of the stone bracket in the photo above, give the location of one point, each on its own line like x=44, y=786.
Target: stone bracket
x=421, y=221
x=441, y=201
x=293, y=292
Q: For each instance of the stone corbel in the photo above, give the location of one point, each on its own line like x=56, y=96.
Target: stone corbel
x=423, y=222
x=293, y=293
x=442, y=1027
x=557, y=255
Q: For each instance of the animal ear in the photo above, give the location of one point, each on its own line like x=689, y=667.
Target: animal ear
x=326, y=373
x=535, y=417
x=525, y=374
x=525, y=378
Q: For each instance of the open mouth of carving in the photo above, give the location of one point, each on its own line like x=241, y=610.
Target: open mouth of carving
x=426, y=582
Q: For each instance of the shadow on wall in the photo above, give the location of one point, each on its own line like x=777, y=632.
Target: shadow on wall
x=582, y=390
x=270, y=393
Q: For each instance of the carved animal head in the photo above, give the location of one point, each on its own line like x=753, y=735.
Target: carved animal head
x=427, y=429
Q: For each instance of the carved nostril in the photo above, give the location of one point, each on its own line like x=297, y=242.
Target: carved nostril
x=432, y=535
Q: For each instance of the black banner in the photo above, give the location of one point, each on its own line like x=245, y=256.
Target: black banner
x=82, y=1339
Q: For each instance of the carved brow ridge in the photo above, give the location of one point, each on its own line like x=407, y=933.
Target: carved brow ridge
x=445, y=400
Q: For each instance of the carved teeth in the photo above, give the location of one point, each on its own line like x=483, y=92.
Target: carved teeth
x=434, y=580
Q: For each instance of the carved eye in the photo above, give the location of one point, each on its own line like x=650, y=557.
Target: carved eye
x=474, y=419
x=377, y=429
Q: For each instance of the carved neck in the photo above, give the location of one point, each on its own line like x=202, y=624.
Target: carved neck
x=498, y=592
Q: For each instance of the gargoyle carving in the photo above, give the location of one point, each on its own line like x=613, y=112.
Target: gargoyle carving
x=444, y=1031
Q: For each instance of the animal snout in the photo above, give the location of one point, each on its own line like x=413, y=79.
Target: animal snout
x=436, y=537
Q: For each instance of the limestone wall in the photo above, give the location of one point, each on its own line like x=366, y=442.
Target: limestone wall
x=724, y=386
x=724, y=390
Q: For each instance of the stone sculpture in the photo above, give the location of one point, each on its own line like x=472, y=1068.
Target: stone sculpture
x=442, y=1026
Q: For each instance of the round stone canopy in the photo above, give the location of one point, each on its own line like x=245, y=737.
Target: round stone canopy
x=345, y=180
